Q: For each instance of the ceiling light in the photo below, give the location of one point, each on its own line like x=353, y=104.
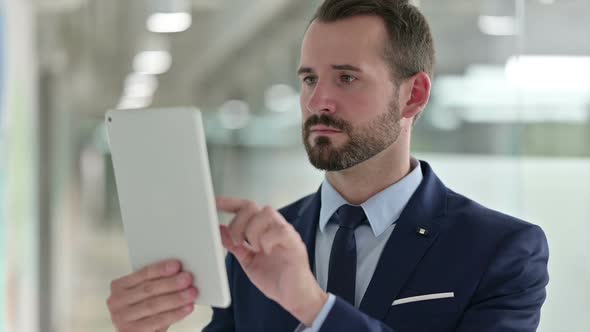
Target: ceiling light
x=169, y=22
x=498, y=25
x=571, y=73
x=473, y=97
x=234, y=114
x=152, y=62
x=129, y=102
x=281, y=98
x=140, y=85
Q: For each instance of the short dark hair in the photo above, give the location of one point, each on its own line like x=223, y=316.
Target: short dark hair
x=410, y=48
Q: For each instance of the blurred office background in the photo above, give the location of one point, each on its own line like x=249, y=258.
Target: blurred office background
x=508, y=125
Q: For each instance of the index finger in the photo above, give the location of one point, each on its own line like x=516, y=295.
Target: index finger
x=230, y=204
x=155, y=271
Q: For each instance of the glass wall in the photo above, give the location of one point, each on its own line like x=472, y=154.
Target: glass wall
x=508, y=125
x=19, y=240
x=3, y=228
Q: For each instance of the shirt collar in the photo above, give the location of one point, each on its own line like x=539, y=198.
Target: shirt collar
x=382, y=209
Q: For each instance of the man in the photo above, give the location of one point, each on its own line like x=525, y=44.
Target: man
x=383, y=245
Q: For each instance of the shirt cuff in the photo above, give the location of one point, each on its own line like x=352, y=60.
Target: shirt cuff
x=319, y=320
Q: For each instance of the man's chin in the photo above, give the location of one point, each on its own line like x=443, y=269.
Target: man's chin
x=326, y=143
x=322, y=165
x=336, y=142
x=324, y=158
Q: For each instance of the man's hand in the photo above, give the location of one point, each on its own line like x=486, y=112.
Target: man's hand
x=273, y=256
x=151, y=299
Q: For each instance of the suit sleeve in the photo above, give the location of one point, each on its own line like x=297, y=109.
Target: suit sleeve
x=223, y=319
x=510, y=294
x=345, y=317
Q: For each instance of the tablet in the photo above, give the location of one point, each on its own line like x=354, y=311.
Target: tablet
x=166, y=195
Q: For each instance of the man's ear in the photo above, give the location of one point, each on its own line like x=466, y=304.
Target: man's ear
x=419, y=87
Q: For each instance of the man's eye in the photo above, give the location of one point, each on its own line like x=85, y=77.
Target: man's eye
x=309, y=80
x=347, y=78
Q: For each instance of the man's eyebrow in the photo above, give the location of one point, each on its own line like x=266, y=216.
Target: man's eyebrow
x=346, y=67
x=309, y=70
x=304, y=70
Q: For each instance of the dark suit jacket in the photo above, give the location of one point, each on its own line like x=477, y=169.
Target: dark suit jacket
x=495, y=265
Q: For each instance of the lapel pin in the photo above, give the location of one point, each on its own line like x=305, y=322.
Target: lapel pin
x=422, y=231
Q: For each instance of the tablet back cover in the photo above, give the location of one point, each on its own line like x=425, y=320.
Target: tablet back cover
x=166, y=195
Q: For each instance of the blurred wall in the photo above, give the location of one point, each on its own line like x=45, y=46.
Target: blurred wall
x=19, y=177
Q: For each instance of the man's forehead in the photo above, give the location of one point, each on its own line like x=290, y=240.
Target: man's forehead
x=368, y=23
x=351, y=41
x=356, y=28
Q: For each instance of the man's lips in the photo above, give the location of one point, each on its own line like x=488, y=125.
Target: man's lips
x=324, y=130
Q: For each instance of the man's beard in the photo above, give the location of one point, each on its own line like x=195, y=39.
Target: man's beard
x=363, y=142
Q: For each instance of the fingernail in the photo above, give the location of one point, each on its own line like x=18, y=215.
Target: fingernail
x=183, y=279
x=188, y=308
x=189, y=294
x=171, y=267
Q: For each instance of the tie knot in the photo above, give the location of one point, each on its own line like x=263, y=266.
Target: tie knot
x=350, y=216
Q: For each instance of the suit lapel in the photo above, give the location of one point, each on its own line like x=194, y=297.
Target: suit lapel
x=307, y=224
x=406, y=246
x=401, y=254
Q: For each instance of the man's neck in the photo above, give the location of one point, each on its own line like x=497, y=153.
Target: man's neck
x=359, y=183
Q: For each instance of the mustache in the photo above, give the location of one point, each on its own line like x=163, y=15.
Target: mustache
x=326, y=120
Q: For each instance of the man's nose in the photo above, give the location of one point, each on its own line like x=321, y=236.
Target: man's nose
x=321, y=100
